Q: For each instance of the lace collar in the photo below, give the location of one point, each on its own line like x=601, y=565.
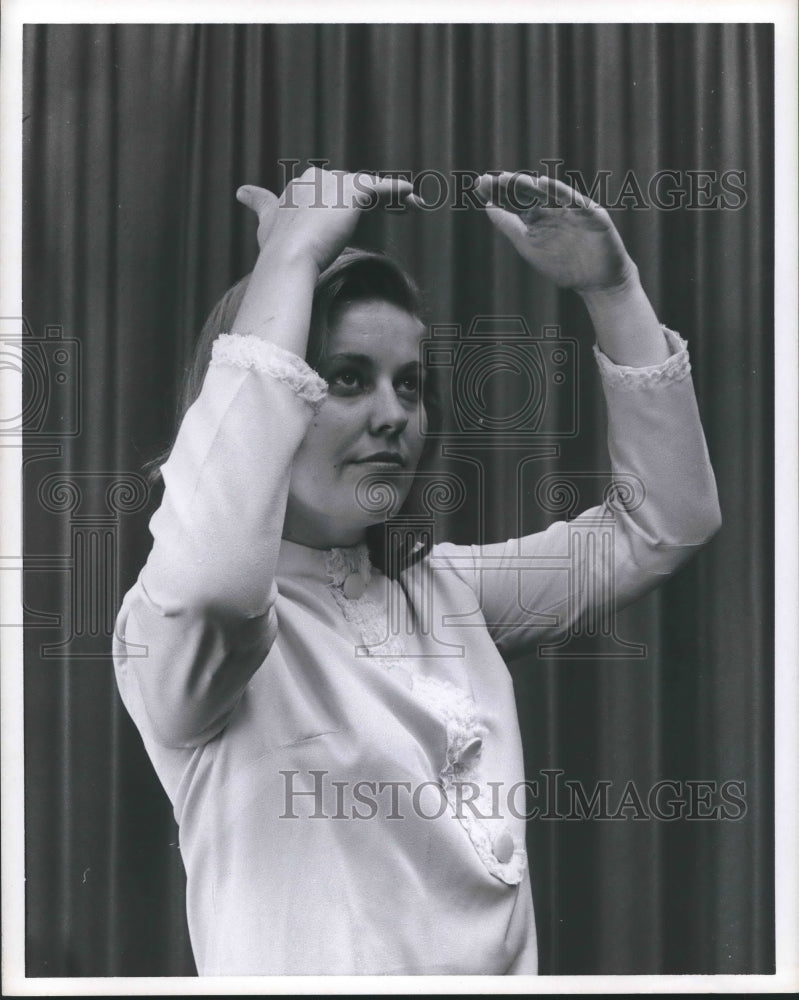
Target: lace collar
x=350, y=569
x=347, y=568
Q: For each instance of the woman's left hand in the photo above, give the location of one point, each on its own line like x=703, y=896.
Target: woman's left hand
x=561, y=233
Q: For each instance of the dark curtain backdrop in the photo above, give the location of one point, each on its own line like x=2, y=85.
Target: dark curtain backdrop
x=135, y=140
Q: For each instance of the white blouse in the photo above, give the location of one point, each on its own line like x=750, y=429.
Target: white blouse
x=342, y=750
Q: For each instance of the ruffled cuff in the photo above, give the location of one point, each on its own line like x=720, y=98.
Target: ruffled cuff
x=249, y=351
x=673, y=369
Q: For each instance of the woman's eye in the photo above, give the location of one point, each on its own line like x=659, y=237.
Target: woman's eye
x=346, y=380
x=409, y=385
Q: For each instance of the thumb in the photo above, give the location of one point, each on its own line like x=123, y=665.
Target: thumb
x=509, y=224
x=259, y=199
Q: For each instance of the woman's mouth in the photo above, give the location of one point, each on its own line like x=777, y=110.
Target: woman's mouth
x=384, y=459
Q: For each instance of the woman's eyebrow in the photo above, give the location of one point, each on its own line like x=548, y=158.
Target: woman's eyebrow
x=414, y=368
x=362, y=359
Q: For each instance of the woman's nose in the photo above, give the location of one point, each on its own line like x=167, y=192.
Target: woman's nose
x=388, y=415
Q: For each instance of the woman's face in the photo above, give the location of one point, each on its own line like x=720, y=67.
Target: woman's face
x=368, y=428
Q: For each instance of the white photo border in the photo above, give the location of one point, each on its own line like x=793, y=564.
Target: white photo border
x=782, y=13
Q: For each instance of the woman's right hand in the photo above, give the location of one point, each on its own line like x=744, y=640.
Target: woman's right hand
x=317, y=213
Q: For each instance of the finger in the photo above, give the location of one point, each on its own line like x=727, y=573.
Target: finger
x=370, y=188
x=564, y=194
x=516, y=192
x=414, y=201
x=259, y=199
x=485, y=188
x=491, y=186
x=391, y=185
x=509, y=224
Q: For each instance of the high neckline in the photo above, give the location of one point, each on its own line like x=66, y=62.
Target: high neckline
x=333, y=565
x=343, y=562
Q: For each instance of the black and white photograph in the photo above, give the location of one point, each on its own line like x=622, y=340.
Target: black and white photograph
x=399, y=498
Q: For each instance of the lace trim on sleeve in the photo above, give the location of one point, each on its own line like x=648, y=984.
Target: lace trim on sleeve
x=248, y=351
x=673, y=369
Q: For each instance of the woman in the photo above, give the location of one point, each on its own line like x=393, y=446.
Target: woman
x=342, y=787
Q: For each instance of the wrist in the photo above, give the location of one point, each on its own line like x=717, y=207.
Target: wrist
x=277, y=303
x=627, y=329
x=294, y=261
x=625, y=287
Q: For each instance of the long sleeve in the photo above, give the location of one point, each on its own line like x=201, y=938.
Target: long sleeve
x=200, y=618
x=535, y=588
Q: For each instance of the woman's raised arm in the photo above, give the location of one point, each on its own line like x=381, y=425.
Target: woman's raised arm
x=200, y=618
x=654, y=433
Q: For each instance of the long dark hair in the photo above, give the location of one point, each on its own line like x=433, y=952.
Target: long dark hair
x=354, y=276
